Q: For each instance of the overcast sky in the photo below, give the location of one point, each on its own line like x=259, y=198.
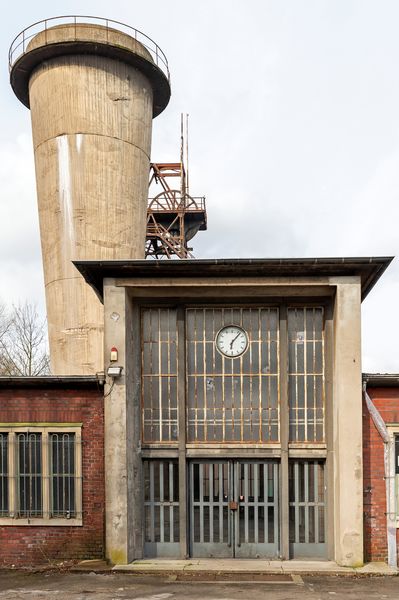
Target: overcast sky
x=294, y=135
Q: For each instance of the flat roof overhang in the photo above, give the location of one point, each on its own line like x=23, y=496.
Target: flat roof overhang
x=381, y=379
x=52, y=382
x=368, y=269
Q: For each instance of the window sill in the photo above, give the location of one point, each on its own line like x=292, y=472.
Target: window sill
x=39, y=522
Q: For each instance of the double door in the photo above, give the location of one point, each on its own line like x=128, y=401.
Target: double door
x=234, y=508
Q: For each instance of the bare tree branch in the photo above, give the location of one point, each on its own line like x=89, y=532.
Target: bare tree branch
x=22, y=342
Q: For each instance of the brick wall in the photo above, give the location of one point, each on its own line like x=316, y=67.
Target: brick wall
x=30, y=545
x=386, y=400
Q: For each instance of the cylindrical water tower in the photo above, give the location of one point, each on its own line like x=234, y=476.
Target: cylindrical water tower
x=93, y=87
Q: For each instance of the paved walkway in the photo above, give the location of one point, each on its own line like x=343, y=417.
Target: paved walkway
x=251, y=566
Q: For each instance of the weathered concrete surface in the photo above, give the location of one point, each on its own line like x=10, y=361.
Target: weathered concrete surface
x=16, y=586
x=347, y=426
x=233, y=565
x=91, y=124
x=115, y=431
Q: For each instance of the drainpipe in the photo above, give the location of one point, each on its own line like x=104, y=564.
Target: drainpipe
x=389, y=479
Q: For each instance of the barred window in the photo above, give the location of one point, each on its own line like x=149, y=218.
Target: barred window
x=3, y=474
x=306, y=374
x=30, y=475
x=40, y=476
x=63, y=475
x=397, y=474
x=159, y=375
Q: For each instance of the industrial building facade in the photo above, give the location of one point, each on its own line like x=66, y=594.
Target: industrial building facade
x=199, y=408
x=236, y=427
x=237, y=419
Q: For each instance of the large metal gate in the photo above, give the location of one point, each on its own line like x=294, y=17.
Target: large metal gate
x=234, y=510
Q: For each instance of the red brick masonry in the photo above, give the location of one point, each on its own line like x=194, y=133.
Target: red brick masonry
x=69, y=403
x=386, y=400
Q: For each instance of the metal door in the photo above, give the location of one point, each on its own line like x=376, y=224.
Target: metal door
x=307, y=518
x=234, y=509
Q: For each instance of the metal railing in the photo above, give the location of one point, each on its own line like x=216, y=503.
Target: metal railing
x=174, y=202
x=19, y=44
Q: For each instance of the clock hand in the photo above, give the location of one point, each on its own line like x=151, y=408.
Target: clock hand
x=232, y=341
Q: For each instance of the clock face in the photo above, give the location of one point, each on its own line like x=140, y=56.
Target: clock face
x=232, y=341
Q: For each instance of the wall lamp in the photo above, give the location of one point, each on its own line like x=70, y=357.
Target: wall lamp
x=114, y=371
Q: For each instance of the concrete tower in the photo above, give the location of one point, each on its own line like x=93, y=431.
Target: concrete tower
x=92, y=90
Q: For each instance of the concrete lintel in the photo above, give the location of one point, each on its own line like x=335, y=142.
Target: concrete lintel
x=149, y=282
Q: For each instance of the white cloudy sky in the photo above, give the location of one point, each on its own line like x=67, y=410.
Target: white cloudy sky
x=294, y=135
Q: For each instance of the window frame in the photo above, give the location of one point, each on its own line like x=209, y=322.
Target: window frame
x=12, y=430
x=393, y=432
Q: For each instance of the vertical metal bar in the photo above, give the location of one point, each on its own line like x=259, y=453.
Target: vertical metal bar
x=246, y=496
x=305, y=372
x=314, y=378
x=160, y=345
x=256, y=494
x=266, y=502
x=47, y=478
x=211, y=503
x=221, y=524
x=275, y=502
x=242, y=390
x=295, y=375
x=196, y=378
x=306, y=484
x=259, y=374
x=237, y=487
x=205, y=399
x=316, y=501
x=168, y=378
x=171, y=500
x=223, y=395
x=296, y=487
x=152, y=502
x=284, y=434
x=230, y=496
x=161, y=502
x=269, y=393
x=192, y=529
x=181, y=395
x=201, y=501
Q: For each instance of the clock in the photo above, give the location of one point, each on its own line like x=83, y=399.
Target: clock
x=231, y=341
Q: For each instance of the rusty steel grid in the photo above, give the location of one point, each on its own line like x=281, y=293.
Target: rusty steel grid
x=232, y=399
x=306, y=374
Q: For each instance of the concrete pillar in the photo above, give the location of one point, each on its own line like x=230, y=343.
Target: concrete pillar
x=347, y=425
x=92, y=92
x=115, y=430
x=124, y=494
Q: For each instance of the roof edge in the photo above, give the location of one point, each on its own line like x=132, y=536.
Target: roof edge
x=370, y=269
x=51, y=381
x=381, y=379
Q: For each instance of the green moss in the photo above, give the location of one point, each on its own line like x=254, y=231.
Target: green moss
x=117, y=557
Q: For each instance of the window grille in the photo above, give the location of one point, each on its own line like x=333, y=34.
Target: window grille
x=62, y=475
x=40, y=476
x=306, y=374
x=159, y=375
x=161, y=505
x=397, y=474
x=30, y=494
x=3, y=475
x=307, y=505
x=233, y=399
